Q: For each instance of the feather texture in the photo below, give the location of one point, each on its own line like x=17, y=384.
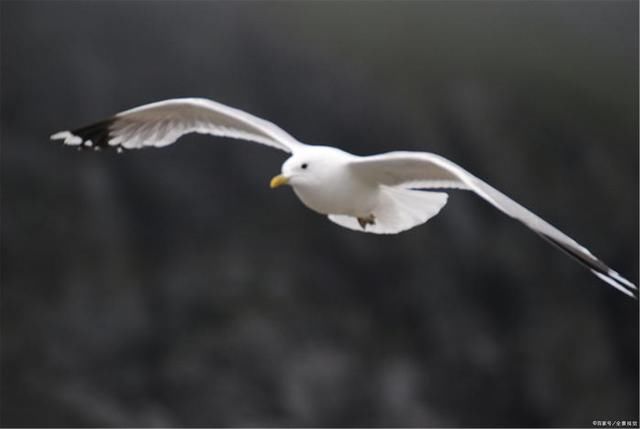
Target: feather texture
x=162, y=123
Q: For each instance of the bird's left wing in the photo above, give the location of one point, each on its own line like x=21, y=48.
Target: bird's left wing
x=427, y=170
x=162, y=123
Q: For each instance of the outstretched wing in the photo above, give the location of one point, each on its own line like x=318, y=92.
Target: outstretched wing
x=162, y=123
x=427, y=170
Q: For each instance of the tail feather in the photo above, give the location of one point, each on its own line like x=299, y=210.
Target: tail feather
x=398, y=210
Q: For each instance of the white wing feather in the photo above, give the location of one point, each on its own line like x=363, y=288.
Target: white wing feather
x=427, y=170
x=162, y=123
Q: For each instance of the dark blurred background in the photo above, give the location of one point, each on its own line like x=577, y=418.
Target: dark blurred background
x=173, y=288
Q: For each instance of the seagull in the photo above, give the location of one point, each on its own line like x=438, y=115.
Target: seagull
x=380, y=194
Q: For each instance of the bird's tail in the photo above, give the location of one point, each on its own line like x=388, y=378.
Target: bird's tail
x=398, y=210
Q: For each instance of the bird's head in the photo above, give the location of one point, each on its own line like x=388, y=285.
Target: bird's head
x=310, y=167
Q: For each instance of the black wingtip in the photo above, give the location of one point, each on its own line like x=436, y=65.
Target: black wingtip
x=597, y=267
x=95, y=136
x=610, y=280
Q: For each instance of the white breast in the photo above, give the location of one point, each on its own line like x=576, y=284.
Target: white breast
x=340, y=194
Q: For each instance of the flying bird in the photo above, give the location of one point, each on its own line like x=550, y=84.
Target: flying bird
x=381, y=194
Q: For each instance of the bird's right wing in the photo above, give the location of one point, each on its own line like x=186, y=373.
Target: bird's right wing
x=428, y=170
x=162, y=123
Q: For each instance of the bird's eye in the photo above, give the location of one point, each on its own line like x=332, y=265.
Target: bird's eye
x=304, y=166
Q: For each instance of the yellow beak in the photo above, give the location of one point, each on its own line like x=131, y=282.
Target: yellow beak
x=278, y=180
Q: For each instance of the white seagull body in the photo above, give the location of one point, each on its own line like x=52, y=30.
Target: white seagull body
x=381, y=194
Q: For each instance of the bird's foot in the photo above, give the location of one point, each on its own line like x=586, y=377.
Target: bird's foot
x=369, y=220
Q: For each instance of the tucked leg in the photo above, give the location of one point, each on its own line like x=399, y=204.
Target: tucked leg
x=369, y=220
